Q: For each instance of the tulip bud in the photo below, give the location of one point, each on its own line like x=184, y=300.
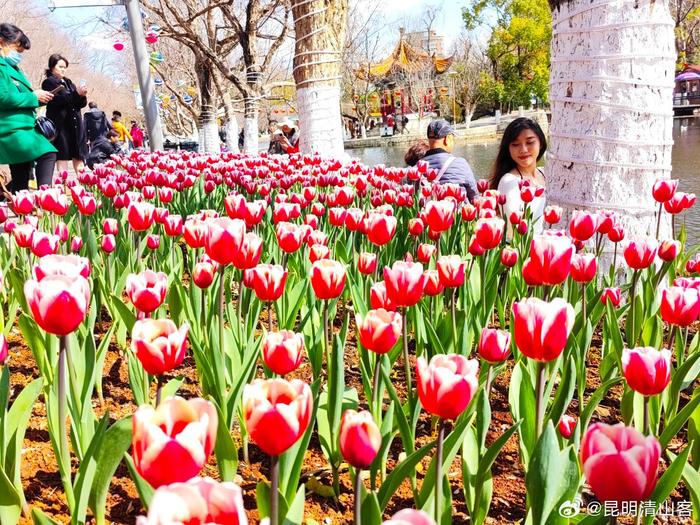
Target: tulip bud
x=567, y=425
x=415, y=227
x=159, y=345
x=542, y=328
x=379, y=330
x=583, y=267
x=108, y=243
x=359, y=439
x=367, y=263
x=153, y=241
x=509, y=257
x=494, y=345
x=668, y=250
x=446, y=384
x=283, y=351
x=646, y=369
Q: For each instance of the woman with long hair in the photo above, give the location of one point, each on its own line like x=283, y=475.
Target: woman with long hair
x=522, y=146
x=64, y=111
x=21, y=145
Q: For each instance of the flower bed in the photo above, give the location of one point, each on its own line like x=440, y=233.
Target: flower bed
x=329, y=340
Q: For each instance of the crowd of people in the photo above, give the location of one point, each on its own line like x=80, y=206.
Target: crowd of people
x=26, y=142
x=48, y=144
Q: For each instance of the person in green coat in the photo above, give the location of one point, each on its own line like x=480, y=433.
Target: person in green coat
x=21, y=145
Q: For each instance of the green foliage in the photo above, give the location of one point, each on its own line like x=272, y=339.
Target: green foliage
x=518, y=48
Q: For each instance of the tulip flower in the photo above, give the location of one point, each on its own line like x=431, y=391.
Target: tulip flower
x=268, y=281
x=172, y=442
x=509, y=257
x=550, y=259
x=404, y=283
x=583, y=225
x=108, y=243
x=203, y=274
x=327, y=279
x=541, y=332
x=380, y=228
x=276, y=413
x=367, y=263
x=646, y=369
x=410, y=517
x=567, y=425
x=153, y=242
x=289, y=236
x=44, y=243
x=199, y=500
x=494, y=345
x=552, y=214
x=318, y=252
x=159, y=345
x=680, y=306
x=147, y=290
x=224, y=239
x=58, y=303
x=3, y=349
x=251, y=250
x=433, y=284
x=583, y=267
x=451, y=269
x=173, y=226
x=283, y=351
x=489, y=232
x=140, y=216
x=439, y=215
x=668, y=250
x=359, y=439
x=379, y=330
x=195, y=232
x=425, y=252
x=415, y=226
x=446, y=385
x=664, y=189
x=69, y=265
x=619, y=463
x=639, y=253
x=475, y=249
x=613, y=295
x=76, y=243
x=23, y=202
x=23, y=235
x=378, y=297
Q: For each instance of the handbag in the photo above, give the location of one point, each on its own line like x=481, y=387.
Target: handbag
x=46, y=127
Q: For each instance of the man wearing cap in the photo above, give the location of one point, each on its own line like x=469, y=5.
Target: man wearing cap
x=451, y=169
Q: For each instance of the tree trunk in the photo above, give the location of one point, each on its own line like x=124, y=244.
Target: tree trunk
x=320, y=35
x=610, y=91
x=207, y=128
x=250, y=126
x=231, y=125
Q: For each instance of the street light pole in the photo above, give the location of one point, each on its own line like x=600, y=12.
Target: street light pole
x=454, y=100
x=143, y=71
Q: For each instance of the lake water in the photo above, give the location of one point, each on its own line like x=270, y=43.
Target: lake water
x=686, y=163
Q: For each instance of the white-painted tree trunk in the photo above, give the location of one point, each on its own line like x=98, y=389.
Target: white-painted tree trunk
x=208, y=132
x=611, y=83
x=250, y=135
x=320, y=124
x=232, y=135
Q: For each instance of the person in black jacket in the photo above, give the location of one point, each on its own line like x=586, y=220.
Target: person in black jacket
x=102, y=148
x=64, y=111
x=95, y=125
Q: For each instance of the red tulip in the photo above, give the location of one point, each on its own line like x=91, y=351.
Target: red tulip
x=583, y=267
x=550, y=259
x=3, y=350
x=58, y=303
x=680, y=306
x=141, y=216
x=616, y=233
x=147, y=290
x=668, y=250
x=69, y=265
x=367, y=263
x=619, y=463
x=646, y=369
x=640, y=252
x=268, y=281
x=415, y=227
x=613, y=295
x=23, y=202
x=410, y=517
x=199, y=500
x=203, y=274
x=108, y=244
x=425, y=252
x=110, y=226
x=318, y=252
x=251, y=250
x=494, y=345
x=489, y=232
x=379, y=330
x=153, y=242
x=172, y=442
x=289, y=236
x=583, y=225
x=567, y=425
x=664, y=189
x=276, y=413
x=195, y=232
x=283, y=351
x=378, y=297
x=552, y=214
x=359, y=438
x=44, y=243
x=173, y=226
x=509, y=257
x=380, y=228
x=475, y=249
x=404, y=282
x=23, y=235
x=447, y=384
x=327, y=279
x=159, y=345
x=224, y=239
x=542, y=328
x=433, y=284
x=452, y=270
x=439, y=215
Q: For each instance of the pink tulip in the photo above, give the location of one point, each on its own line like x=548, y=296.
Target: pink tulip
x=359, y=439
x=680, y=306
x=447, y=384
x=550, y=258
x=283, y=351
x=489, y=232
x=405, y=283
x=494, y=345
x=614, y=295
x=141, y=216
x=224, y=239
x=69, y=265
x=327, y=279
x=379, y=330
x=153, y=241
x=108, y=244
x=268, y=281
x=58, y=303
x=276, y=413
x=583, y=267
x=567, y=425
x=640, y=252
x=147, y=290
x=410, y=517
x=199, y=500
x=509, y=257
x=619, y=463
x=76, y=243
x=583, y=225
x=159, y=345
x=542, y=328
x=44, y=243
x=172, y=442
x=646, y=369
x=452, y=270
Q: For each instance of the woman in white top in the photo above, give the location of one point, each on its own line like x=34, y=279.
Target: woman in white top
x=522, y=145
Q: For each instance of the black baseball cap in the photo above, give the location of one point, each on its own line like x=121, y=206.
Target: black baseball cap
x=439, y=129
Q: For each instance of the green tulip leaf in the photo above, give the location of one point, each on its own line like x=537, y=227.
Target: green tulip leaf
x=668, y=481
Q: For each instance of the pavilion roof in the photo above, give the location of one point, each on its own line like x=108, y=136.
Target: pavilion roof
x=404, y=59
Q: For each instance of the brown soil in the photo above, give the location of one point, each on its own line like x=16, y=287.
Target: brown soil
x=43, y=488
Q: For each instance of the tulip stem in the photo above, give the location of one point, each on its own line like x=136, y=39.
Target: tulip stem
x=631, y=337
x=539, y=416
x=325, y=335
x=241, y=320
x=358, y=497
x=454, y=318
x=672, y=338
x=646, y=416
x=159, y=389
x=376, y=403
x=482, y=275
x=269, y=316
x=438, y=469
x=658, y=221
x=274, y=493
x=489, y=380
x=406, y=363
x=583, y=303
x=62, y=414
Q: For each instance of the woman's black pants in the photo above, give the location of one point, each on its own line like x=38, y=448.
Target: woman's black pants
x=43, y=170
